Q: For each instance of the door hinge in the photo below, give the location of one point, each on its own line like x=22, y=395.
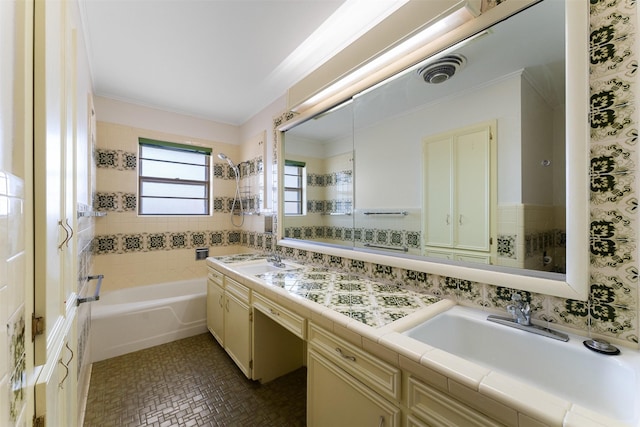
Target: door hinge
x=250, y=364
x=491, y=240
x=38, y=421
x=251, y=316
x=37, y=326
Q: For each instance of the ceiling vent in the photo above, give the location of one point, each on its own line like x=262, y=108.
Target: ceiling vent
x=442, y=69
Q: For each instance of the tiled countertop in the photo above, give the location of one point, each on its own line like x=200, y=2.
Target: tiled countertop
x=373, y=315
x=370, y=302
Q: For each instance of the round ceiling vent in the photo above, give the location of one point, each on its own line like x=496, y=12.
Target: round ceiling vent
x=442, y=69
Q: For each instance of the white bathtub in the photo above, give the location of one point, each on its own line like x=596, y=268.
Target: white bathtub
x=145, y=316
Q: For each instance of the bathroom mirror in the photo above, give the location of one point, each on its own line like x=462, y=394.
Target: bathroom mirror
x=384, y=173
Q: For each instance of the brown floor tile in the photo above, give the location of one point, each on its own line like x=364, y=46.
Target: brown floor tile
x=190, y=382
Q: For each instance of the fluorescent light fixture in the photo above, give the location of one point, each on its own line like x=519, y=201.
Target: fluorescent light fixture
x=351, y=20
x=429, y=34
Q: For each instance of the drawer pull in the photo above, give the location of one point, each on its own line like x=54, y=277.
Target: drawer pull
x=274, y=312
x=344, y=356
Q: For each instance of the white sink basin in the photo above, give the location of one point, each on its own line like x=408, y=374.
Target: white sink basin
x=254, y=268
x=606, y=384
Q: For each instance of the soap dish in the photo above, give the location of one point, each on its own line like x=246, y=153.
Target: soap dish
x=601, y=346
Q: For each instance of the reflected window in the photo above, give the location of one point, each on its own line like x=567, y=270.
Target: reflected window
x=173, y=179
x=294, y=174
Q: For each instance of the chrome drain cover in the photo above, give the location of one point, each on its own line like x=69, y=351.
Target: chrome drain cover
x=601, y=346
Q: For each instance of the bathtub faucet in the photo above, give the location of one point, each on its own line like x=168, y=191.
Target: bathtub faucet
x=275, y=259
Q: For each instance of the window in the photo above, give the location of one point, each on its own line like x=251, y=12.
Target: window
x=173, y=179
x=293, y=187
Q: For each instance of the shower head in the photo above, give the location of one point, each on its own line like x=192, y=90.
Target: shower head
x=223, y=156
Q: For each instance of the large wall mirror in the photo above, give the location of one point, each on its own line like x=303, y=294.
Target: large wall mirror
x=471, y=163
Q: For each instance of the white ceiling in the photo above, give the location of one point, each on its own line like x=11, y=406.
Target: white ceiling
x=222, y=60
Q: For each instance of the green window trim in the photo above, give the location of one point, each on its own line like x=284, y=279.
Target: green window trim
x=294, y=163
x=175, y=146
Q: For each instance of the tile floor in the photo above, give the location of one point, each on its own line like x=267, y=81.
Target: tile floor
x=190, y=382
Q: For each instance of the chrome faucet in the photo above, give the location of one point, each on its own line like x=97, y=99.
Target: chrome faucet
x=520, y=318
x=275, y=259
x=520, y=310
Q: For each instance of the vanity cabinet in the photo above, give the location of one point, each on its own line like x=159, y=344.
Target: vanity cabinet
x=229, y=318
x=347, y=386
x=429, y=407
x=215, y=305
x=264, y=339
x=237, y=324
x=459, y=177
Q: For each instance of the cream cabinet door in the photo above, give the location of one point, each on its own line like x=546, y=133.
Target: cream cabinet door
x=460, y=191
x=438, y=209
x=215, y=310
x=229, y=318
x=56, y=394
x=56, y=276
x=471, y=190
x=335, y=398
x=49, y=140
x=237, y=332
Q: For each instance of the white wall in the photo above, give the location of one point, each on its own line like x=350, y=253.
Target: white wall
x=537, y=145
x=114, y=111
x=389, y=155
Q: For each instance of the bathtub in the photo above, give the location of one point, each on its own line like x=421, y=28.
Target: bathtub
x=132, y=319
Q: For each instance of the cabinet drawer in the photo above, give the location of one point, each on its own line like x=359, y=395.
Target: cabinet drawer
x=237, y=289
x=216, y=276
x=286, y=318
x=371, y=371
x=437, y=409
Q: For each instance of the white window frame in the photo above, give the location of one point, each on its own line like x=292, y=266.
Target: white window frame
x=172, y=147
x=301, y=189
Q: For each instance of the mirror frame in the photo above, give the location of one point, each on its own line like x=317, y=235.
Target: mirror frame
x=576, y=284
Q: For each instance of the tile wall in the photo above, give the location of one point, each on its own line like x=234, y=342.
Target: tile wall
x=612, y=309
x=131, y=250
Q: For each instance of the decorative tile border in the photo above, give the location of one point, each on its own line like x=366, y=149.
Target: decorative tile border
x=115, y=202
x=175, y=240
x=330, y=206
x=116, y=159
x=330, y=179
x=386, y=237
